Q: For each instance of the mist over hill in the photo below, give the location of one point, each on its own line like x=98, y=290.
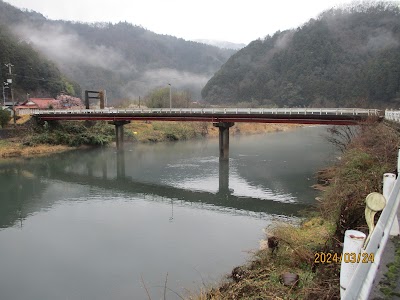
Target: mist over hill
x=31, y=72
x=126, y=60
x=222, y=44
x=346, y=57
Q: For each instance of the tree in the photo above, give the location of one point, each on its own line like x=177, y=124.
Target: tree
x=158, y=98
x=5, y=117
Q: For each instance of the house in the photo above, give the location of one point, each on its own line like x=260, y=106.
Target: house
x=62, y=102
x=40, y=103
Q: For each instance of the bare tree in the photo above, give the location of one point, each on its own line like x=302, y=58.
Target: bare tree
x=341, y=136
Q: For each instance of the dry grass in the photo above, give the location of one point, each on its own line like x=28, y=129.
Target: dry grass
x=22, y=119
x=12, y=149
x=261, y=278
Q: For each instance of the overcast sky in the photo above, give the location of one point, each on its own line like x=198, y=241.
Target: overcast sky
x=227, y=20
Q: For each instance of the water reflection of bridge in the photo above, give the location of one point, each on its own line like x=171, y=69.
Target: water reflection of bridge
x=27, y=183
x=123, y=183
x=96, y=172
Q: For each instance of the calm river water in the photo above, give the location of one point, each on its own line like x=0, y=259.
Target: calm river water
x=100, y=225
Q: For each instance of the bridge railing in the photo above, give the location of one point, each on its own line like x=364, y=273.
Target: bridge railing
x=271, y=111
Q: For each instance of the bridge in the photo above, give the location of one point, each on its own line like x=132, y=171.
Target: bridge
x=223, y=118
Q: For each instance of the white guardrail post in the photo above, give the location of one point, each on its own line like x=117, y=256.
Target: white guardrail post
x=353, y=242
x=359, y=285
x=389, y=180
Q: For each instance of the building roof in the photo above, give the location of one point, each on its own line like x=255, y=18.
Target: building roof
x=41, y=103
x=62, y=102
x=44, y=103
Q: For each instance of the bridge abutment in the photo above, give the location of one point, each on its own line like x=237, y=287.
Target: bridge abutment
x=224, y=139
x=119, y=133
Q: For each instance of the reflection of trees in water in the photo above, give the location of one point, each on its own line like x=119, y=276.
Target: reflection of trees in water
x=19, y=189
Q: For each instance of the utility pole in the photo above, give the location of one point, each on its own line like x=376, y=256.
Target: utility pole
x=9, y=66
x=170, y=97
x=5, y=86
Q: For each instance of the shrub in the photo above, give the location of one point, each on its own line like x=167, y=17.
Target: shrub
x=72, y=134
x=5, y=117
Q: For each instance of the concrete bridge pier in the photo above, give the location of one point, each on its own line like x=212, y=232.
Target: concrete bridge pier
x=119, y=132
x=223, y=187
x=224, y=139
x=121, y=164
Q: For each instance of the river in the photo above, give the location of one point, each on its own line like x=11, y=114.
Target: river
x=97, y=224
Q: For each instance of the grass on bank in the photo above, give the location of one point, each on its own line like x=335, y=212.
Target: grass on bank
x=388, y=286
x=340, y=207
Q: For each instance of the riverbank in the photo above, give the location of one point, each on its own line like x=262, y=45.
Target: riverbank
x=29, y=141
x=287, y=265
x=11, y=149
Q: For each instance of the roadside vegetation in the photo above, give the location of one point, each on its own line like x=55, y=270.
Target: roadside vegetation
x=289, y=250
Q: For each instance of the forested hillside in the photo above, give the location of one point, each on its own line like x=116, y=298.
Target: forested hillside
x=31, y=72
x=125, y=59
x=345, y=57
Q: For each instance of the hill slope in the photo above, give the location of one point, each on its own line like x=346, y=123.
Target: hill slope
x=346, y=57
x=126, y=60
x=32, y=73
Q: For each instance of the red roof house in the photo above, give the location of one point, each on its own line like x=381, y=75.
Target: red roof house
x=40, y=103
x=62, y=102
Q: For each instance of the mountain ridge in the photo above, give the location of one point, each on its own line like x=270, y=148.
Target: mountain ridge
x=346, y=57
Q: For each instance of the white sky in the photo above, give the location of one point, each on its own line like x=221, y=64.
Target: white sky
x=227, y=20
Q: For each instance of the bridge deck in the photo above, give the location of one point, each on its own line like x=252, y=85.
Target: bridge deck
x=258, y=115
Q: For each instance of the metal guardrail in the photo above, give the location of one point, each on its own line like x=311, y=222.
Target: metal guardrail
x=392, y=115
x=266, y=111
x=361, y=283
x=364, y=275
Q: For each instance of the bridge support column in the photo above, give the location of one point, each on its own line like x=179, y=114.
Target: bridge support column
x=223, y=187
x=119, y=133
x=120, y=164
x=224, y=139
